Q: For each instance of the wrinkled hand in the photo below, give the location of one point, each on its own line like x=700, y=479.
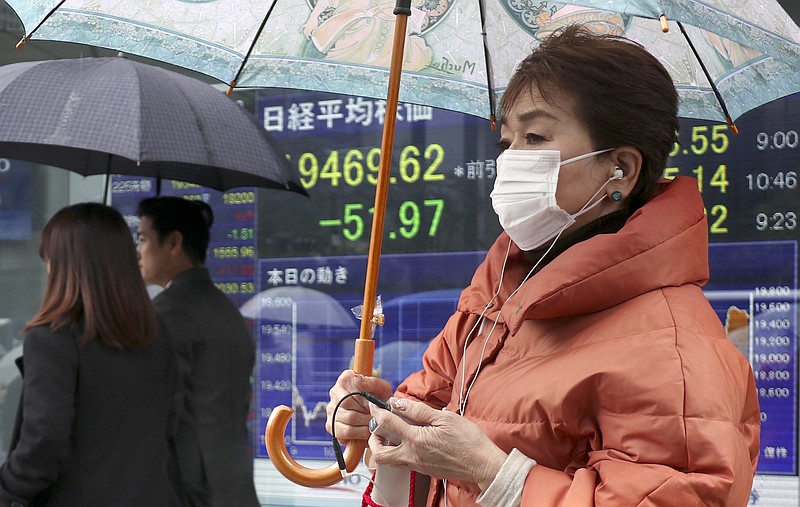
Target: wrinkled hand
x=352, y=418
x=436, y=443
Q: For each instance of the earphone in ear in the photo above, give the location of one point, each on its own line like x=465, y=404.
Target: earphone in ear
x=617, y=174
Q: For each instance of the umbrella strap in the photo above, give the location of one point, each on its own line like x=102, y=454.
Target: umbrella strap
x=714, y=88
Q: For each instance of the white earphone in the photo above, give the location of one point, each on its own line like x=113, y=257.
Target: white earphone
x=617, y=174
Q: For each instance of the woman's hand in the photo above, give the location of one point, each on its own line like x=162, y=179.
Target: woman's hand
x=437, y=443
x=352, y=418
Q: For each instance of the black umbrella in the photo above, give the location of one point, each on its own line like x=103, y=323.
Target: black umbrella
x=116, y=116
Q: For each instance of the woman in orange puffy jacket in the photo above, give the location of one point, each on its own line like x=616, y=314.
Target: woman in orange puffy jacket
x=584, y=365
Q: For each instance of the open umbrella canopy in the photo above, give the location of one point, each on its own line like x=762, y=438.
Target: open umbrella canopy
x=115, y=116
x=459, y=54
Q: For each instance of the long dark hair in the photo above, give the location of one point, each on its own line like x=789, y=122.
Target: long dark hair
x=93, y=278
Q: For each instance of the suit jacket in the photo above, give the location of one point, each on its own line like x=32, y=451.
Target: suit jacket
x=216, y=358
x=93, y=425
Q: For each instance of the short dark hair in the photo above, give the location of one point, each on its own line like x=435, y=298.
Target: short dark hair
x=93, y=278
x=621, y=92
x=193, y=219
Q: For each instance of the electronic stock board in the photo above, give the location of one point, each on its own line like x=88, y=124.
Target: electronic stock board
x=296, y=265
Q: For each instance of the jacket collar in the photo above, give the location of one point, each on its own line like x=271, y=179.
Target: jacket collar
x=187, y=275
x=604, y=270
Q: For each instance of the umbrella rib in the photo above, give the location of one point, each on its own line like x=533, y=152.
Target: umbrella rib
x=489, y=79
x=210, y=160
x=710, y=81
x=250, y=49
x=27, y=37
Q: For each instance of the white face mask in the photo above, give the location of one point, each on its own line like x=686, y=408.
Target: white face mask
x=524, y=195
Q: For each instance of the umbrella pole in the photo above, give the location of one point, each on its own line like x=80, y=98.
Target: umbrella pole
x=105, y=187
x=364, y=346
x=106, y=195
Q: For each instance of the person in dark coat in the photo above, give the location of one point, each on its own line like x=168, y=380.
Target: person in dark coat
x=98, y=376
x=216, y=354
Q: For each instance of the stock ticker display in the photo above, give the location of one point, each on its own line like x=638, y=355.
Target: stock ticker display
x=296, y=266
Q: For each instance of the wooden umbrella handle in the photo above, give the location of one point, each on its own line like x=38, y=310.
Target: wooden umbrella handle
x=279, y=419
x=365, y=346
x=291, y=469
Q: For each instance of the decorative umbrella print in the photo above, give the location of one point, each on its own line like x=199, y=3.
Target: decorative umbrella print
x=458, y=54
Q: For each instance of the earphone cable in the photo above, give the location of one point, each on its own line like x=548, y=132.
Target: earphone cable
x=337, y=448
x=461, y=401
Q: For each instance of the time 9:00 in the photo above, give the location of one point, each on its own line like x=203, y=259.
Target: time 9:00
x=356, y=166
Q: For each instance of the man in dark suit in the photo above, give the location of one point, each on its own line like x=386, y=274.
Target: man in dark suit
x=215, y=351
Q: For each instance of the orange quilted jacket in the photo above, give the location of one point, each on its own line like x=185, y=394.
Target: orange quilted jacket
x=609, y=368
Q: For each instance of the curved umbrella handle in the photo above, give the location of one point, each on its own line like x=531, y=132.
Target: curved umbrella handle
x=295, y=472
x=365, y=346
x=279, y=419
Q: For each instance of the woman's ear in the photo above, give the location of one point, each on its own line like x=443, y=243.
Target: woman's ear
x=629, y=160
